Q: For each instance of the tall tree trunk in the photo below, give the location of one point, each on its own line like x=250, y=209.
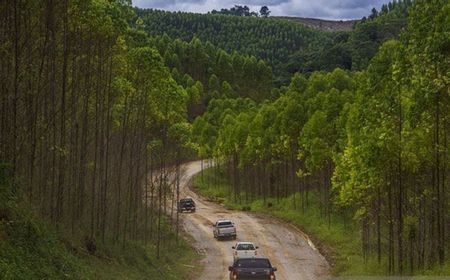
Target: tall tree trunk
x=62, y=138
x=400, y=188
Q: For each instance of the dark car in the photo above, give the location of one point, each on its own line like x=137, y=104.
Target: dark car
x=252, y=268
x=186, y=204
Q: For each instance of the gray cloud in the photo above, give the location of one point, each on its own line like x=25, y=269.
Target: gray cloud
x=166, y=3
x=329, y=9
x=326, y=9
x=263, y=2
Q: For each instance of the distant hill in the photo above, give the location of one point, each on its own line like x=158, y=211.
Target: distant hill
x=270, y=39
x=287, y=44
x=323, y=24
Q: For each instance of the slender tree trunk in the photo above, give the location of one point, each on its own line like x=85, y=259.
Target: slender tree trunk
x=17, y=62
x=62, y=139
x=391, y=265
x=379, y=224
x=438, y=180
x=178, y=198
x=400, y=189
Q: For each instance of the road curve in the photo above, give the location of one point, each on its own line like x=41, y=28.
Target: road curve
x=287, y=247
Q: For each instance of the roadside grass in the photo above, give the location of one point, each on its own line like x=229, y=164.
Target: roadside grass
x=340, y=243
x=137, y=261
x=33, y=249
x=339, y=239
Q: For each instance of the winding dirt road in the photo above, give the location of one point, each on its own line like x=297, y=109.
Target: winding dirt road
x=288, y=248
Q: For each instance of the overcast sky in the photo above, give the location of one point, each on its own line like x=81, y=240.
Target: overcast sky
x=325, y=9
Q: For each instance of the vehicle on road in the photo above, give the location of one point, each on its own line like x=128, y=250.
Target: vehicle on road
x=244, y=250
x=186, y=204
x=252, y=268
x=224, y=229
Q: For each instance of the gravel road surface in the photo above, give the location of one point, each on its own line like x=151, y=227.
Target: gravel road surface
x=288, y=248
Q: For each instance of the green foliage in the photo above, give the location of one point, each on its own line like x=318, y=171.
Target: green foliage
x=353, y=50
x=32, y=249
x=234, y=51
x=269, y=131
x=339, y=241
x=373, y=144
x=212, y=66
x=94, y=104
x=270, y=39
x=94, y=110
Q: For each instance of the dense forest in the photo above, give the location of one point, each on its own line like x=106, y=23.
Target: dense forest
x=90, y=121
x=372, y=144
x=288, y=47
x=101, y=102
x=208, y=54
x=208, y=72
x=270, y=39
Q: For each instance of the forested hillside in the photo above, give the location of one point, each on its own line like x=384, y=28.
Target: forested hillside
x=208, y=72
x=269, y=39
x=218, y=55
x=353, y=50
x=372, y=146
x=287, y=46
x=87, y=113
x=102, y=102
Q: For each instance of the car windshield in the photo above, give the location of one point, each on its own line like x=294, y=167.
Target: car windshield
x=225, y=224
x=245, y=247
x=253, y=263
x=186, y=201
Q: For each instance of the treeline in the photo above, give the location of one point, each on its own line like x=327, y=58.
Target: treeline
x=88, y=115
x=238, y=10
x=373, y=145
x=398, y=7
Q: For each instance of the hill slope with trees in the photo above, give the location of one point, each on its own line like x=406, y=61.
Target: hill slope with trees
x=371, y=147
x=99, y=99
x=87, y=113
x=287, y=46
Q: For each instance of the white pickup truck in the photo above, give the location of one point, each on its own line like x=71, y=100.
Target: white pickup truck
x=224, y=228
x=244, y=250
